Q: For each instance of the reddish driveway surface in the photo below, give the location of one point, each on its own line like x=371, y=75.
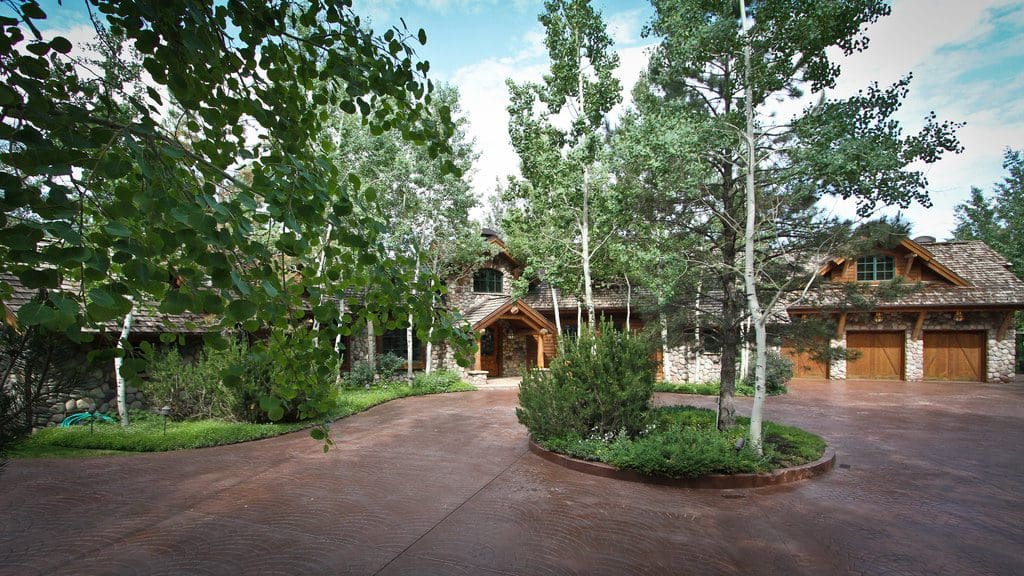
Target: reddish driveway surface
x=929, y=480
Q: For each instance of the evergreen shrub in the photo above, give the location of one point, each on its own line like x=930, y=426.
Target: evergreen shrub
x=778, y=371
x=598, y=384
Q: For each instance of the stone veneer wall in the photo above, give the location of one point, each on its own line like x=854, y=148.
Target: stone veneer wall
x=460, y=291
x=514, y=352
x=97, y=391
x=688, y=365
x=999, y=354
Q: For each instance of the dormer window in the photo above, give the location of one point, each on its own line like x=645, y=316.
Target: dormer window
x=487, y=280
x=874, y=268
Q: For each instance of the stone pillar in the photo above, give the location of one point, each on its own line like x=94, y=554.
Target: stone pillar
x=837, y=368
x=913, y=368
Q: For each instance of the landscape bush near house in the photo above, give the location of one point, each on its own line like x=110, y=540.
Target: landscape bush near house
x=439, y=381
x=192, y=388
x=600, y=383
x=277, y=379
x=778, y=372
x=389, y=364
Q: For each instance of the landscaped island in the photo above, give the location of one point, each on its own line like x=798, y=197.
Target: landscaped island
x=594, y=404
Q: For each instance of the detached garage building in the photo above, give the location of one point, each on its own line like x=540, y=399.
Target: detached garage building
x=951, y=319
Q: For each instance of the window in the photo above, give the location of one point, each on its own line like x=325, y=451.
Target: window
x=393, y=342
x=487, y=280
x=871, y=268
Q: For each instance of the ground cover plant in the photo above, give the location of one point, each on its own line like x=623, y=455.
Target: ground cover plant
x=683, y=442
x=146, y=433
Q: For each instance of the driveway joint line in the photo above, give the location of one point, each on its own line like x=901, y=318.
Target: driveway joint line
x=454, y=510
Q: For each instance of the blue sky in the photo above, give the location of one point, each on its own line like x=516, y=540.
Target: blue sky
x=967, y=58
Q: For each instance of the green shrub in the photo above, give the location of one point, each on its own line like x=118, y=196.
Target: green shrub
x=598, y=384
x=439, y=381
x=683, y=442
x=192, y=389
x=389, y=364
x=286, y=377
x=361, y=375
x=778, y=371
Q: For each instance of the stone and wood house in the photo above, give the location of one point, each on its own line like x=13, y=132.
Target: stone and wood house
x=955, y=321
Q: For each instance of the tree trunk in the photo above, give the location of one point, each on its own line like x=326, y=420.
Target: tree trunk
x=371, y=344
x=126, y=328
x=558, y=314
x=408, y=330
x=730, y=324
x=629, y=301
x=588, y=291
x=753, y=305
x=666, y=360
x=428, y=365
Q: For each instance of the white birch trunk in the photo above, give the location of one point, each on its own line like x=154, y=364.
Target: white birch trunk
x=558, y=313
x=320, y=272
x=408, y=330
x=754, y=306
x=694, y=367
x=629, y=301
x=588, y=291
x=126, y=328
x=666, y=360
x=371, y=344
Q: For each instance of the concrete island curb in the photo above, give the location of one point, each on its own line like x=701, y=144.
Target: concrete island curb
x=712, y=481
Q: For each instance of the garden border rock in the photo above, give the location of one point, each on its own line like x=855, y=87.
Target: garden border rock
x=712, y=481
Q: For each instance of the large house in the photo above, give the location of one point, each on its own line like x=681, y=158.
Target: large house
x=953, y=321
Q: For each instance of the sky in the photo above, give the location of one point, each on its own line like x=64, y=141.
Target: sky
x=966, y=57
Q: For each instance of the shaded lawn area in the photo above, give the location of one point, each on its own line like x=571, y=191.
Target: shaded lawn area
x=146, y=433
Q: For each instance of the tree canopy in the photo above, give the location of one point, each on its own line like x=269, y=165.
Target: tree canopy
x=223, y=211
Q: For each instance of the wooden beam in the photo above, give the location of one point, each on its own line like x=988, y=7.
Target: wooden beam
x=919, y=326
x=841, y=327
x=477, y=361
x=540, y=349
x=1005, y=326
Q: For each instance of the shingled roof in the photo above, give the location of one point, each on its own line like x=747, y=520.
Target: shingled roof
x=990, y=281
x=146, y=319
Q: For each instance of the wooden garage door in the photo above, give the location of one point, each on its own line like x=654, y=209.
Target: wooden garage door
x=881, y=355
x=954, y=356
x=804, y=365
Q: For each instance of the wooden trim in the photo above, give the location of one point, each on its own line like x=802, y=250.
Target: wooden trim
x=476, y=355
x=526, y=315
x=934, y=264
x=919, y=326
x=1005, y=326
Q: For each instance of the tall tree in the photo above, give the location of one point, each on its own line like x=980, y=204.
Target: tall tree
x=719, y=82
x=998, y=222
x=561, y=196
x=255, y=82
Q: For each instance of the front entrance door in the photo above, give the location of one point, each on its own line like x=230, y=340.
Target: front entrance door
x=490, y=350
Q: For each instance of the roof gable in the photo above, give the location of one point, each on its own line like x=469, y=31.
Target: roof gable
x=909, y=250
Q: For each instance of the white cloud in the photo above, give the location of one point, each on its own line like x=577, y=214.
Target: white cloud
x=945, y=43
x=625, y=27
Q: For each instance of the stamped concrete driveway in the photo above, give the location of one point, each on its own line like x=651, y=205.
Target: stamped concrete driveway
x=928, y=481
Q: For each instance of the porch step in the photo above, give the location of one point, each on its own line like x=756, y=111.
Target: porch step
x=500, y=383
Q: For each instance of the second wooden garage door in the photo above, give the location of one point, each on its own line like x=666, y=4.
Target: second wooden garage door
x=954, y=356
x=880, y=355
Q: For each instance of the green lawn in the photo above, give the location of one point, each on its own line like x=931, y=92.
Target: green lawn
x=146, y=433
